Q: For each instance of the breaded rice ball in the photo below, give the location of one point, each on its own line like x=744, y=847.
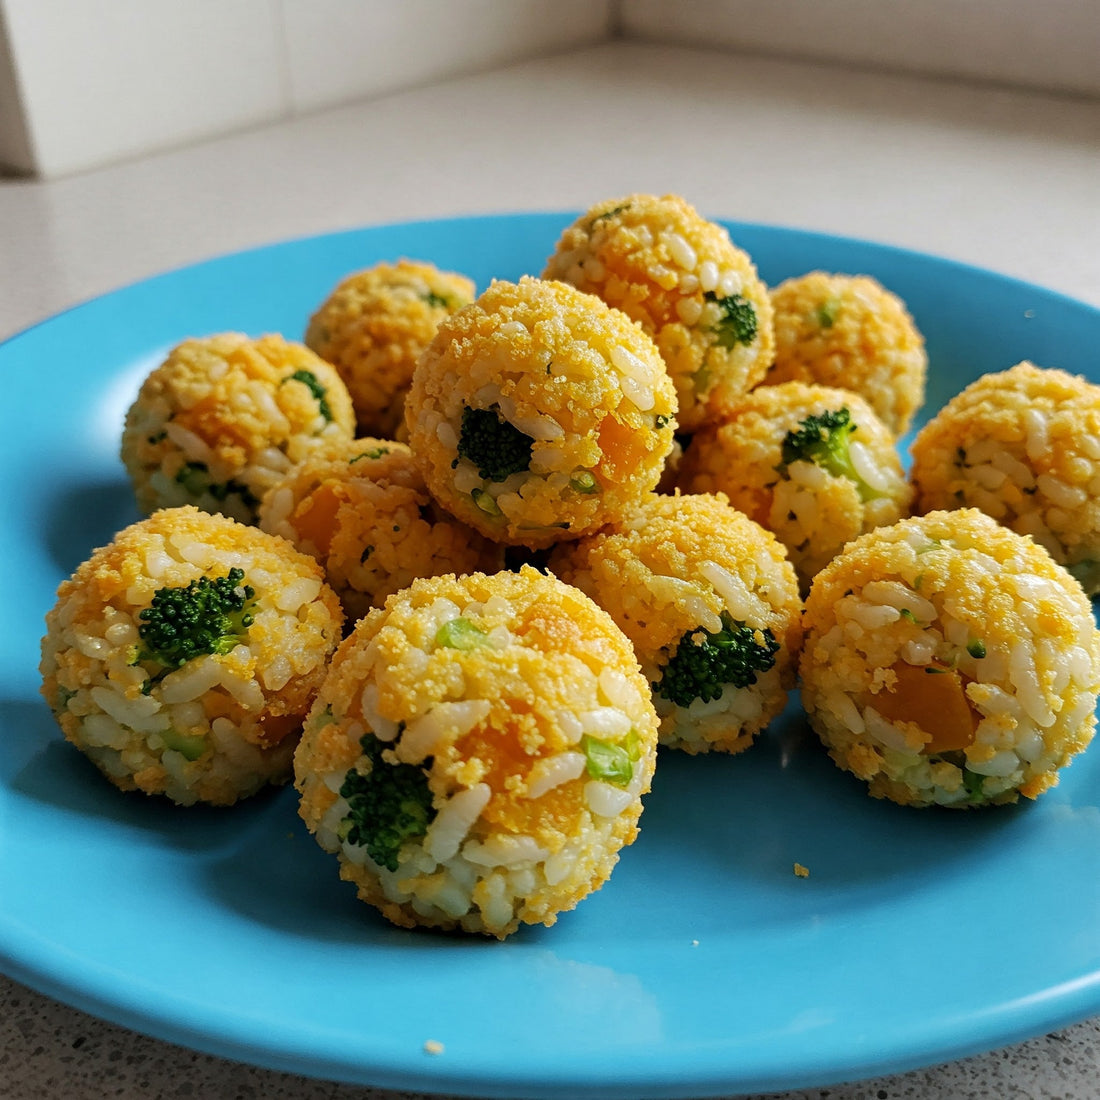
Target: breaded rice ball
x=371, y=523
x=711, y=604
x=1024, y=447
x=478, y=752
x=850, y=332
x=183, y=657
x=950, y=661
x=538, y=413
x=682, y=279
x=374, y=326
x=812, y=464
x=224, y=417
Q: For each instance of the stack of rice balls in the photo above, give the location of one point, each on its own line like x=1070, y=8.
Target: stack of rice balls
x=458, y=563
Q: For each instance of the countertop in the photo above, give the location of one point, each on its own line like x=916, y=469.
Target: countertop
x=1000, y=178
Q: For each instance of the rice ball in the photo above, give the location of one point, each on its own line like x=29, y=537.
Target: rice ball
x=374, y=326
x=224, y=417
x=538, y=413
x=1022, y=445
x=950, y=661
x=812, y=464
x=372, y=524
x=712, y=606
x=849, y=331
x=477, y=754
x=182, y=658
x=689, y=287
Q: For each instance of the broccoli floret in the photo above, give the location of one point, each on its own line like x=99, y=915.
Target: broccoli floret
x=438, y=301
x=498, y=449
x=195, y=478
x=704, y=662
x=309, y=380
x=388, y=804
x=825, y=440
x=738, y=322
x=204, y=616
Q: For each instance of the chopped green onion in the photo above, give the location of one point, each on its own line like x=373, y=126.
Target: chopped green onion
x=462, y=634
x=486, y=503
x=584, y=482
x=607, y=761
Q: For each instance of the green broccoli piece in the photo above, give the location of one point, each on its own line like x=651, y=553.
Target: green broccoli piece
x=388, y=804
x=309, y=380
x=438, y=301
x=204, y=616
x=738, y=322
x=824, y=440
x=498, y=449
x=704, y=662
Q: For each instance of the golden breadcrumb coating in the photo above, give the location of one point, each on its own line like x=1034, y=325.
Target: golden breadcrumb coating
x=812, y=509
x=675, y=565
x=682, y=279
x=850, y=332
x=950, y=661
x=369, y=520
x=375, y=325
x=1023, y=445
x=520, y=705
x=224, y=417
x=576, y=383
x=222, y=724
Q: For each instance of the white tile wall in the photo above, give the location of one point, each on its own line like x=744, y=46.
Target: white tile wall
x=90, y=81
x=340, y=51
x=85, y=82
x=114, y=78
x=1051, y=44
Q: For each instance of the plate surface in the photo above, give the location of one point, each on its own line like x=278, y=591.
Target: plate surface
x=704, y=966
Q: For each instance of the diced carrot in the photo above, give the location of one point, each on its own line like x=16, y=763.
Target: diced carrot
x=934, y=698
x=316, y=521
x=623, y=447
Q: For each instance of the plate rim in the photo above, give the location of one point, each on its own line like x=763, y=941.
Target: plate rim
x=435, y=1075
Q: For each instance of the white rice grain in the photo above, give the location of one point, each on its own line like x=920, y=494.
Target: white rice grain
x=452, y=823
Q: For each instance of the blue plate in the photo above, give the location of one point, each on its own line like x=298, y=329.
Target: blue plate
x=704, y=966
